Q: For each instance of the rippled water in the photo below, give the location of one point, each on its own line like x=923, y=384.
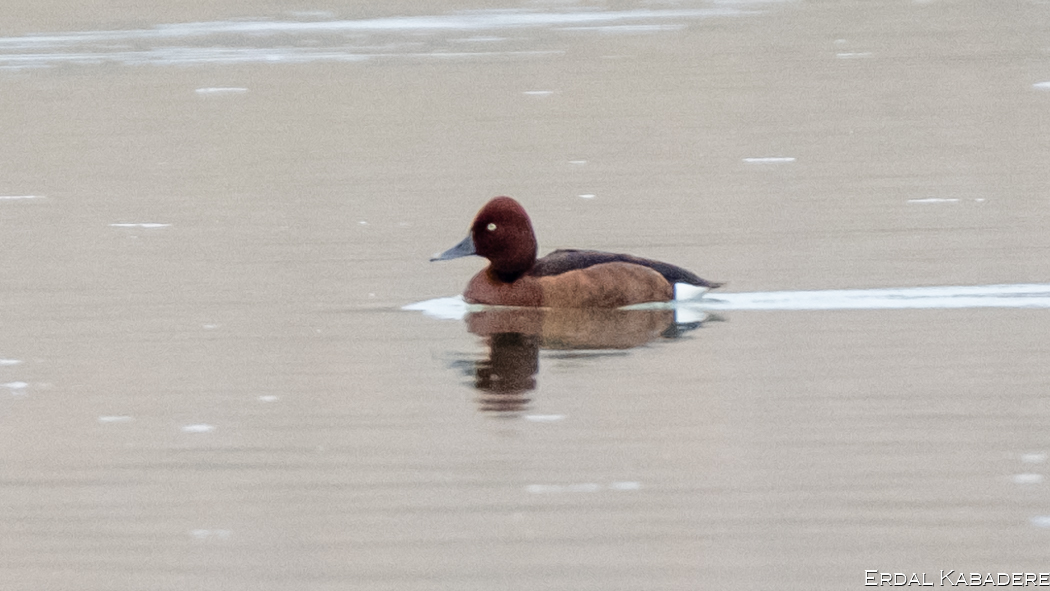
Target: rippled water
x=207, y=379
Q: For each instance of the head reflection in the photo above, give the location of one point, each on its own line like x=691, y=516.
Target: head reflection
x=508, y=372
x=515, y=336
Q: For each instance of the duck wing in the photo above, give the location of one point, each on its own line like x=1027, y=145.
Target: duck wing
x=564, y=260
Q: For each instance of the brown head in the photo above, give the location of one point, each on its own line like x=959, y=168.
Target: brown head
x=502, y=233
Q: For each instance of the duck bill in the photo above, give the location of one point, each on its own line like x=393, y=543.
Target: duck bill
x=463, y=249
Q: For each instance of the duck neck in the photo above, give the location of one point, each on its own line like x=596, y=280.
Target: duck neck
x=505, y=276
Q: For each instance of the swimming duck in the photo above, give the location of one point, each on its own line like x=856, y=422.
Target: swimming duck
x=502, y=233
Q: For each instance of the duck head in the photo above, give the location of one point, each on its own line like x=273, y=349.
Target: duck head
x=502, y=233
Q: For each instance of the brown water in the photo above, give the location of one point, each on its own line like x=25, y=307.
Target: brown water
x=234, y=399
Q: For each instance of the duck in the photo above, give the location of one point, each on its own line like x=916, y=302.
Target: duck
x=567, y=278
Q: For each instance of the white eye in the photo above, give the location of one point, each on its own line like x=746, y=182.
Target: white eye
x=491, y=227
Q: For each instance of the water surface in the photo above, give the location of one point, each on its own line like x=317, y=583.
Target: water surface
x=207, y=380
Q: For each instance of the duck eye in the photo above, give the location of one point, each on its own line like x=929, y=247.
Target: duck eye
x=491, y=227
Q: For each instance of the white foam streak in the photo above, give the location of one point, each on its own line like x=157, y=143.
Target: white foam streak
x=581, y=487
x=770, y=160
x=453, y=308
x=934, y=200
x=115, y=419
x=222, y=90
x=254, y=41
x=985, y=296
x=470, y=21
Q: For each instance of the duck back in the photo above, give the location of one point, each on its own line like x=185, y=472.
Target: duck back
x=565, y=260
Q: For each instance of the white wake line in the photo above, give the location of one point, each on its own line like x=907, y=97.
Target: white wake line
x=1023, y=295
x=474, y=21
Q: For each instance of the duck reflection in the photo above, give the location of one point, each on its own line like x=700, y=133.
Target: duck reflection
x=515, y=337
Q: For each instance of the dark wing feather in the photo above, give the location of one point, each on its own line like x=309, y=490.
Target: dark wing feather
x=562, y=261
